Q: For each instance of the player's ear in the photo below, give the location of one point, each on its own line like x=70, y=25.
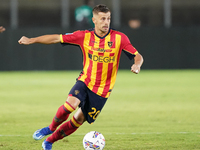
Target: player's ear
x=93, y=20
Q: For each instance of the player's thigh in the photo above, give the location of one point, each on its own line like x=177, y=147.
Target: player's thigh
x=92, y=107
x=77, y=94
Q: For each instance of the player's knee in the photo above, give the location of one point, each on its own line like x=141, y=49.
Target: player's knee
x=73, y=101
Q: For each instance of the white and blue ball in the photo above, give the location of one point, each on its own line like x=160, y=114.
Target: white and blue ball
x=94, y=141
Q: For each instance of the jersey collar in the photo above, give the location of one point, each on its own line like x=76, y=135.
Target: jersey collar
x=102, y=36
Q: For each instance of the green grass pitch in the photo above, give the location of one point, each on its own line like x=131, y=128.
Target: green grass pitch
x=154, y=110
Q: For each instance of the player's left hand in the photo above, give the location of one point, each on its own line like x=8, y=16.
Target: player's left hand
x=135, y=68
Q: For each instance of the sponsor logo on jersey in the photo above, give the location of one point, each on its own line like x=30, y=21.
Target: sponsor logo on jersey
x=102, y=59
x=101, y=50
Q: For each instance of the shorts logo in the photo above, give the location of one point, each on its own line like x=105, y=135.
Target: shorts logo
x=76, y=92
x=110, y=44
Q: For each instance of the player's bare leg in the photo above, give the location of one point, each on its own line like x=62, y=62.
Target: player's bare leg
x=79, y=116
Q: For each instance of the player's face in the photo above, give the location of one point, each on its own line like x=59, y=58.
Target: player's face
x=102, y=22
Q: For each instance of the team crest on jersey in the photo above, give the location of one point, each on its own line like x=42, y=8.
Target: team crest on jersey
x=110, y=44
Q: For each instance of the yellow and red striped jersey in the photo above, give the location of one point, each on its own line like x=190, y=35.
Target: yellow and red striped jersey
x=101, y=57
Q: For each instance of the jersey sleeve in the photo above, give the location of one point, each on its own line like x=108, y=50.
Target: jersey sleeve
x=72, y=38
x=128, y=48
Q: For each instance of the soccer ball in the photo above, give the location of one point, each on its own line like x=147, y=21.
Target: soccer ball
x=94, y=141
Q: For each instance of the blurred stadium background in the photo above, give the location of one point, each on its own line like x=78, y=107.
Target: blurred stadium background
x=165, y=32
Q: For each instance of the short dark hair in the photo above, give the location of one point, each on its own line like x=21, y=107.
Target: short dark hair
x=100, y=8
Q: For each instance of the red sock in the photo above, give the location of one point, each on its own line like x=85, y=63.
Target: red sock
x=61, y=116
x=65, y=130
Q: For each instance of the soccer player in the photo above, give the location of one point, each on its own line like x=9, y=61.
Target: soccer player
x=101, y=48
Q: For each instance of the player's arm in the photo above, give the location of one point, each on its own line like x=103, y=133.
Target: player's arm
x=130, y=51
x=138, y=61
x=45, y=39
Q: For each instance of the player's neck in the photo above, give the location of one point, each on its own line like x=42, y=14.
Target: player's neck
x=100, y=33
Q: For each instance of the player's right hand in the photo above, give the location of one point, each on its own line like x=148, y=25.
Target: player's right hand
x=2, y=29
x=24, y=40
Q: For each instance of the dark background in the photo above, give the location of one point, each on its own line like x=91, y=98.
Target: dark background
x=176, y=47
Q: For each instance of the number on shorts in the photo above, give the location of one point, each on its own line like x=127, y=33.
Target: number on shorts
x=93, y=114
